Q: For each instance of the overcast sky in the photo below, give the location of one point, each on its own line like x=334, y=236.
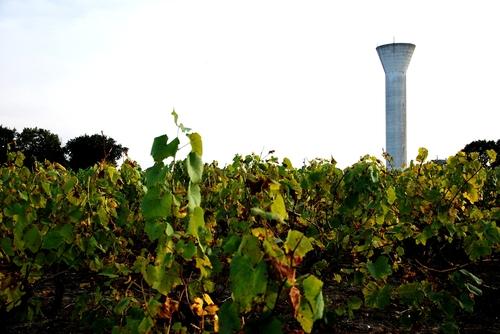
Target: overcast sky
x=299, y=77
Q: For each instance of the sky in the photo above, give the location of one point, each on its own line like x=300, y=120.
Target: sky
x=301, y=78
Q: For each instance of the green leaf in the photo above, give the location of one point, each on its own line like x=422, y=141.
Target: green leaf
x=425, y=235
x=229, y=318
x=411, y=293
x=376, y=297
x=169, y=230
x=391, y=195
x=189, y=250
x=354, y=303
x=247, y=282
x=194, y=196
x=66, y=232
x=266, y=215
x=250, y=246
x=311, y=307
x=32, y=239
x=231, y=244
x=196, y=222
x=272, y=326
x=477, y=249
x=156, y=174
x=312, y=291
x=161, y=278
x=122, y=305
x=69, y=184
x=154, y=229
x=380, y=268
x=6, y=245
x=52, y=240
x=194, y=167
x=162, y=150
x=196, y=143
x=298, y=243
x=146, y=325
x=476, y=279
x=156, y=204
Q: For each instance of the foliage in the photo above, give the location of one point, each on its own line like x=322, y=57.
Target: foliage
x=481, y=147
x=85, y=151
x=7, y=142
x=251, y=247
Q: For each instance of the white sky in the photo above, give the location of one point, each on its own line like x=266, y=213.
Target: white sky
x=299, y=77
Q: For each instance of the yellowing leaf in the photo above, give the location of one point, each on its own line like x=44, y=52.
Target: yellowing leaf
x=337, y=278
x=207, y=299
x=197, y=306
x=211, y=309
x=196, y=143
x=472, y=195
x=274, y=187
x=422, y=154
x=391, y=195
x=278, y=207
x=216, y=324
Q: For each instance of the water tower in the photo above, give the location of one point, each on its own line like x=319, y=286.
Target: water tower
x=395, y=58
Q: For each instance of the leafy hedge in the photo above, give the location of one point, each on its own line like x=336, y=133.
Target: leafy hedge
x=256, y=246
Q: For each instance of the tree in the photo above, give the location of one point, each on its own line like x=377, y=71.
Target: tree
x=85, y=151
x=39, y=145
x=481, y=146
x=7, y=137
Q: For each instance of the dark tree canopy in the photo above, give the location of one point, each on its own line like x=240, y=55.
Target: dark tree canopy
x=85, y=151
x=481, y=146
x=39, y=145
x=7, y=137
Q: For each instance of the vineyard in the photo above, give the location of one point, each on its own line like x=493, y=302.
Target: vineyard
x=257, y=246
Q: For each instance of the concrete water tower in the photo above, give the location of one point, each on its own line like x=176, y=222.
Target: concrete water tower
x=395, y=58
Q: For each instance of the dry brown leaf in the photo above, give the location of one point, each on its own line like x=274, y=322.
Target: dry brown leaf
x=168, y=308
x=295, y=299
x=285, y=271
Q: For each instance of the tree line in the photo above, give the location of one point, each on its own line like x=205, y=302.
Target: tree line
x=85, y=151
x=40, y=144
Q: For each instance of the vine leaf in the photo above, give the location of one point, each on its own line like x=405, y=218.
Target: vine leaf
x=194, y=167
x=32, y=239
x=156, y=204
x=377, y=297
x=312, y=306
x=161, y=149
x=229, y=318
x=391, y=195
x=422, y=154
x=299, y=244
x=278, y=207
x=247, y=281
x=380, y=268
x=196, y=222
x=196, y=143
